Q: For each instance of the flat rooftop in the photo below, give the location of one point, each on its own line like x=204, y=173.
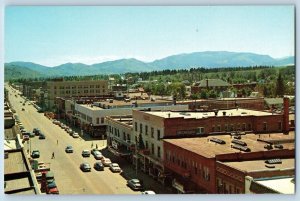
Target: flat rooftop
x=122, y=119
x=203, y=146
x=14, y=163
x=260, y=165
x=281, y=185
x=200, y=115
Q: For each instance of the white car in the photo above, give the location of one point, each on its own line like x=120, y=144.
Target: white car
x=75, y=135
x=114, y=167
x=148, y=193
x=106, y=161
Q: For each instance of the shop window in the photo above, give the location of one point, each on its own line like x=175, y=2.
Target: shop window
x=97, y=120
x=280, y=125
x=265, y=126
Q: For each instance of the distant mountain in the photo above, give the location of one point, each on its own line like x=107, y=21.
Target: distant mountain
x=208, y=59
x=17, y=72
x=213, y=59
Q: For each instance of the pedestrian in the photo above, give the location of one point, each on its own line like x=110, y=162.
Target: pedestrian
x=96, y=146
x=57, y=142
x=92, y=145
x=53, y=155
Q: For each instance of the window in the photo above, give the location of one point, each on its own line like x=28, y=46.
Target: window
x=92, y=91
x=244, y=127
x=226, y=127
x=86, y=91
x=135, y=126
x=219, y=128
x=147, y=146
x=152, y=132
x=249, y=127
x=124, y=136
x=141, y=128
x=146, y=129
x=265, y=126
x=206, y=174
x=97, y=86
x=152, y=148
x=213, y=128
x=103, y=90
x=128, y=137
x=102, y=120
x=231, y=127
x=200, y=130
x=158, y=134
x=279, y=125
x=97, y=120
x=91, y=86
x=158, y=152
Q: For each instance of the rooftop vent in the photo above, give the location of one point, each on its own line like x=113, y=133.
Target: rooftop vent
x=278, y=146
x=216, y=140
x=224, y=113
x=268, y=146
x=274, y=161
x=239, y=147
x=239, y=142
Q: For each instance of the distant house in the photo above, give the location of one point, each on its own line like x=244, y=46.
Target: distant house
x=215, y=84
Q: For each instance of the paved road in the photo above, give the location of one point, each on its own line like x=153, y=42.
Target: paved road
x=69, y=178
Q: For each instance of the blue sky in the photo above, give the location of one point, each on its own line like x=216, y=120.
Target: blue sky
x=56, y=35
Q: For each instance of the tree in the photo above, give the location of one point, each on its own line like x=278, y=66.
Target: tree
x=279, y=86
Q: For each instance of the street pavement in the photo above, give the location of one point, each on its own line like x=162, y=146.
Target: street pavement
x=68, y=176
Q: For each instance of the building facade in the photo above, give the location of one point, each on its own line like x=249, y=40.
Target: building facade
x=61, y=88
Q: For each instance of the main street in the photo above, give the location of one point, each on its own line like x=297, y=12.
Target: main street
x=68, y=176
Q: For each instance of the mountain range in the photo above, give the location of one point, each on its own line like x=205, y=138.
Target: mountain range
x=208, y=59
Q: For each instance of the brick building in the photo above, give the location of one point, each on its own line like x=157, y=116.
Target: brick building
x=202, y=165
x=225, y=103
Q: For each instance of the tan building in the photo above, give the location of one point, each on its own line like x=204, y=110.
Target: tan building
x=89, y=88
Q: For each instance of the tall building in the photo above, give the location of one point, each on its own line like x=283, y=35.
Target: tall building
x=86, y=88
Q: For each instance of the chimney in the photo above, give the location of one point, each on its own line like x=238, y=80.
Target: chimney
x=286, y=126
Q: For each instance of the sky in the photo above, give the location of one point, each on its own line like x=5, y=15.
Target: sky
x=53, y=35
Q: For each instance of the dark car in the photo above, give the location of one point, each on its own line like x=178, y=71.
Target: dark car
x=42, y=136
x=86, y=153
x=85, y=167
x=69, y=149
x=36, y=131
x=135, y=184
x=99, y=166
x=35, y=154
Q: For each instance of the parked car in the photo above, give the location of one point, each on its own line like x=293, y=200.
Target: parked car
x=85, y=167
x=75, y=135
x=99, y=166
x=30, y=134
x=69, y=149
x=25, y=137
x=93, y=151
x=98, y=155
x=42, y=136
x=69, y=130
x=114, y=167
x=36, y=131
x=35, y=153
x=106, y=161
x=86, y=153
x=148, y=193
x=134, y=184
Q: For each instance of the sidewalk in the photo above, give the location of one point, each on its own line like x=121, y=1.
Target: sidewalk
x=129, y=172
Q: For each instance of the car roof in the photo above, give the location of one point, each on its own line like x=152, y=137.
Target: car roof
x=135, y=180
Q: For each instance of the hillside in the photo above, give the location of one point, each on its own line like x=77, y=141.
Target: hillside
x=208, y=59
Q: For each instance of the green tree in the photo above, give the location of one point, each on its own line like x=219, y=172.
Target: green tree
x=279, y=86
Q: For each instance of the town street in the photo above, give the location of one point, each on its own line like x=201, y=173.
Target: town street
x=69, y=178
